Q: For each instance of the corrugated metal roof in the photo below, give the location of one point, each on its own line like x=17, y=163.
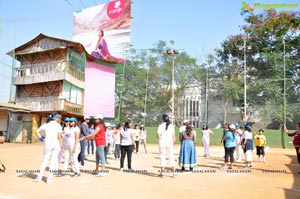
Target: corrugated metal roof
x=13, y=107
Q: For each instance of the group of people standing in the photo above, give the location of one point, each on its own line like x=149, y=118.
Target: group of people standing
x=236, y=140
x=71, y=140
x=66, y=139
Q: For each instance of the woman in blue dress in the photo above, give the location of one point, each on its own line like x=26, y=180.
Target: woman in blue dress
x=187, y=157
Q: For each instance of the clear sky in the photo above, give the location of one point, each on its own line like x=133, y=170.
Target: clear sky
x=197, y=26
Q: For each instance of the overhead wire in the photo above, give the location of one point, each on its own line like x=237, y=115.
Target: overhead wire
x=82, y=3
x=73, y=9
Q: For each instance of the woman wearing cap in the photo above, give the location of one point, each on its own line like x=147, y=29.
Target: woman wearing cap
x=65, y=132
x=187, y=156
x=72, y=146
x=206, y=134
x=238, y=139
x=226, y=127
x=247, y=144
x=166, y=141
x=127, y=145
x=52, y=146
x=99, y=136
x=296, y=141
x=143, y=137
x=229, y=138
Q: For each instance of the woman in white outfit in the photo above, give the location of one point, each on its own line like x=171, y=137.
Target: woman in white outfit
x=238, y=140
x=52, y=146
x=247, y=144
x=72, y=146
x=206, y=134
x=166, y=137
x=66, y=128
x=143, y=137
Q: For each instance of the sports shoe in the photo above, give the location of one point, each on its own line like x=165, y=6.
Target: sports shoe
x=130, y=170
x=122, y=169
x=49, y=180
x=162, y=175
x=223, y=167
x=76, y=175
x=37, y=180
x=101, y=174
x=174, y=175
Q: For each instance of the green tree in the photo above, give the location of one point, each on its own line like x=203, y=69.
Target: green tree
x=265, y=34
x=157, y=65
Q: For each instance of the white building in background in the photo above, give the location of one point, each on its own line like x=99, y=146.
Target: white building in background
x=192, y=106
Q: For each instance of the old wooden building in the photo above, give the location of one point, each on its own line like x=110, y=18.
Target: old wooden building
x=51, y=78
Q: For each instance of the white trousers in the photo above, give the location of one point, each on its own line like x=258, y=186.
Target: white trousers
x=248, y=155
x=144, y=143
x=166, y=151
x=238, y=151
x=70, y=157
x=205, y=142
x=52, y=155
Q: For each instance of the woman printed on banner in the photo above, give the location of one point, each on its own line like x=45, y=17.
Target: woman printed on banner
x=101, y=49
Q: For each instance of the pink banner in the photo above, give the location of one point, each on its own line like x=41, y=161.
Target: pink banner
x=99, y=96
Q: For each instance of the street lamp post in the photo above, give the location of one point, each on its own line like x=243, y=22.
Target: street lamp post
x=284, y=99
x=146, y=93
x=120, y=100
x=245, y=81
x=206, y=96
x=172, y=52
x=245, y=49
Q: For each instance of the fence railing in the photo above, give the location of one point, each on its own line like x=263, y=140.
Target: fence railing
x=46, y=71
x=40, y=105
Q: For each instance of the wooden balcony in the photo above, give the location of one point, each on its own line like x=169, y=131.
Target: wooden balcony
x=51, y=105
x=48, y=71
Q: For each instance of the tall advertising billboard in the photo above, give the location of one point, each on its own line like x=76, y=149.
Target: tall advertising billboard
x=104, y=31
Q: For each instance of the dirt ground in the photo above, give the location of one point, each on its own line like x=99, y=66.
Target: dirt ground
x=274, y=179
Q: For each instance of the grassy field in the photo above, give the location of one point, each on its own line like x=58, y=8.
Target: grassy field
x=273, y=137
